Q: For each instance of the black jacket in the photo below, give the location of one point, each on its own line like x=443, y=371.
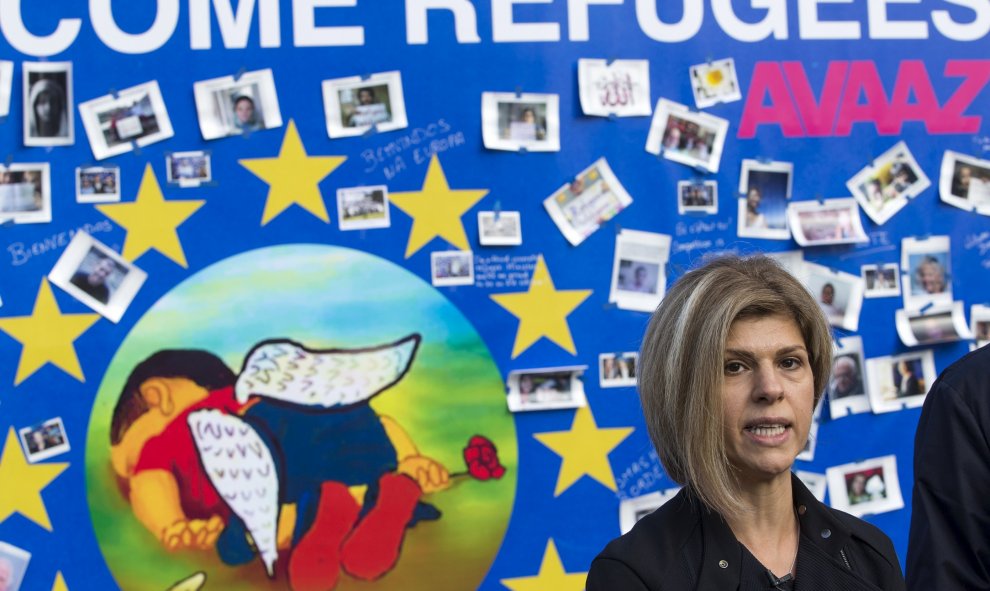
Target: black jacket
x=683, y=546
x=949, y=547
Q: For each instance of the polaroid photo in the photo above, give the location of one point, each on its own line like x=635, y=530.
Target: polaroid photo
x=48, y=106
x=15, y=562
x=6, y=85
x=620, y=88
x=883, y=187
x=115, y=123
x=927, y=274
x=517, y=122
x=44, y=441
x=546, y=388
x=98, y=184
x=354, y=105
x=964, y=182
x=807, y=454
x=188, y=169
x=881, y=280
x=846, y=390
x=832, y=221
x=979, y=316
x=26, y=193
x=91, y=272
x=362, y=208
x=816, y=483
x=238, y=105
x=452, y=267
x=900, y=381
x=639, y=276
x=580, y=207
x=715, y=82
x=617, y=370
x=686, y=136
x=766, y=190
x=697, y=197
x=499, y=228
x=865, y=488
x=839, y=294
x=636, y=508
x=938, y=324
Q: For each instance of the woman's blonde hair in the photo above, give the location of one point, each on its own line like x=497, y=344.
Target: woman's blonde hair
x=682, y=359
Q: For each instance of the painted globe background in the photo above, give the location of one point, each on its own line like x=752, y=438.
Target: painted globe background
x=324, y=297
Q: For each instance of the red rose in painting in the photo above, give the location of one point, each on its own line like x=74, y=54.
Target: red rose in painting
x=482, y=459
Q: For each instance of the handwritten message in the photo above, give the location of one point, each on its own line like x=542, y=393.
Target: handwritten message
x=418, y=146
x=504, y=271
x=640, y=477
x=21, y=253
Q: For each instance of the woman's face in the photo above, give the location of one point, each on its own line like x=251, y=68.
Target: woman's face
x=931, y=277
x=245, y=110
x=768, y=396
x=44, y=107
x=753, y=199
x=858, y=484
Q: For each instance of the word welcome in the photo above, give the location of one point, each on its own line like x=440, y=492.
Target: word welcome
x=968, y=21
x=853, y=92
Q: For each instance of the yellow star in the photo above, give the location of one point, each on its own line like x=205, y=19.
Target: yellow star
x=551, y=575
x=150, y=221
x=59, y=584
x=22, y=484
x=584, y=450
x=436, y=210
x=47, y=336
x=542, y=311
x=294, y=177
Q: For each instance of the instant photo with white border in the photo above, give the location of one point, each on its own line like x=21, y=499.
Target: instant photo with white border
x=878, y=189
x=97, y=190
x=895, y=383
x=218, y=101
x=847, y=389
x=130, y=129
x=938, y=324
x=499, y=228
x=21, y=202
x=715, y=82
x=389, y=116
x=808, y=453
x=820, y=223
x=881, y=487
x=42, y=77
x=579, y=208
x=19, y=560
x=846, y=294
x=620, y=87
x=363, y=208
x=6, y=85
x=546, y=388
x=502, y=128
x=636, y=508
x=755, y=224
x=881, y=281
x=181, y=168
x=121, y=280
x=663, y=141
x=926, y=267
x=816, y=483
x=687, y=197
x=617, y=370
x=452, y=267
x=46, y=451
x=979, y=316
x=964, y=182
x=639, y=274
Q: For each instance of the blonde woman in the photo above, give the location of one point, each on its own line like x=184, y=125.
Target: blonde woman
x=732, y=365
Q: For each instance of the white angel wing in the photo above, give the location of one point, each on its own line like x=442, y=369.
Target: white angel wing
x=285, y=370
x=242, y=469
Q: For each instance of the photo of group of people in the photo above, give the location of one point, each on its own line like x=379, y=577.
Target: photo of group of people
x=499, y=228
x=697, y=197
x=617, y=370
x=188, y=169
x=881, y=280
x=545, y=389
x=45, y=440
x=820, y=223
x=883, y=187
x=452, y=267
x=25, y=193
x=98, y=184
x=685, y=136
x=362, y=208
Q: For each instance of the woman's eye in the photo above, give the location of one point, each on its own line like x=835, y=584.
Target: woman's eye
x=790, y=363
x=734, y=367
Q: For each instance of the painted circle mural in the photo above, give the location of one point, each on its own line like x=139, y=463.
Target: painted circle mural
x=177, y=477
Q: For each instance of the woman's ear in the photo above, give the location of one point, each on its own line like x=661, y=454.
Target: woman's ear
x=157, y=393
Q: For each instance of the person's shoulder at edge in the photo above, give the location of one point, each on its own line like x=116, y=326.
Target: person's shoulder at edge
x=652, y=548
x=972, y=368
